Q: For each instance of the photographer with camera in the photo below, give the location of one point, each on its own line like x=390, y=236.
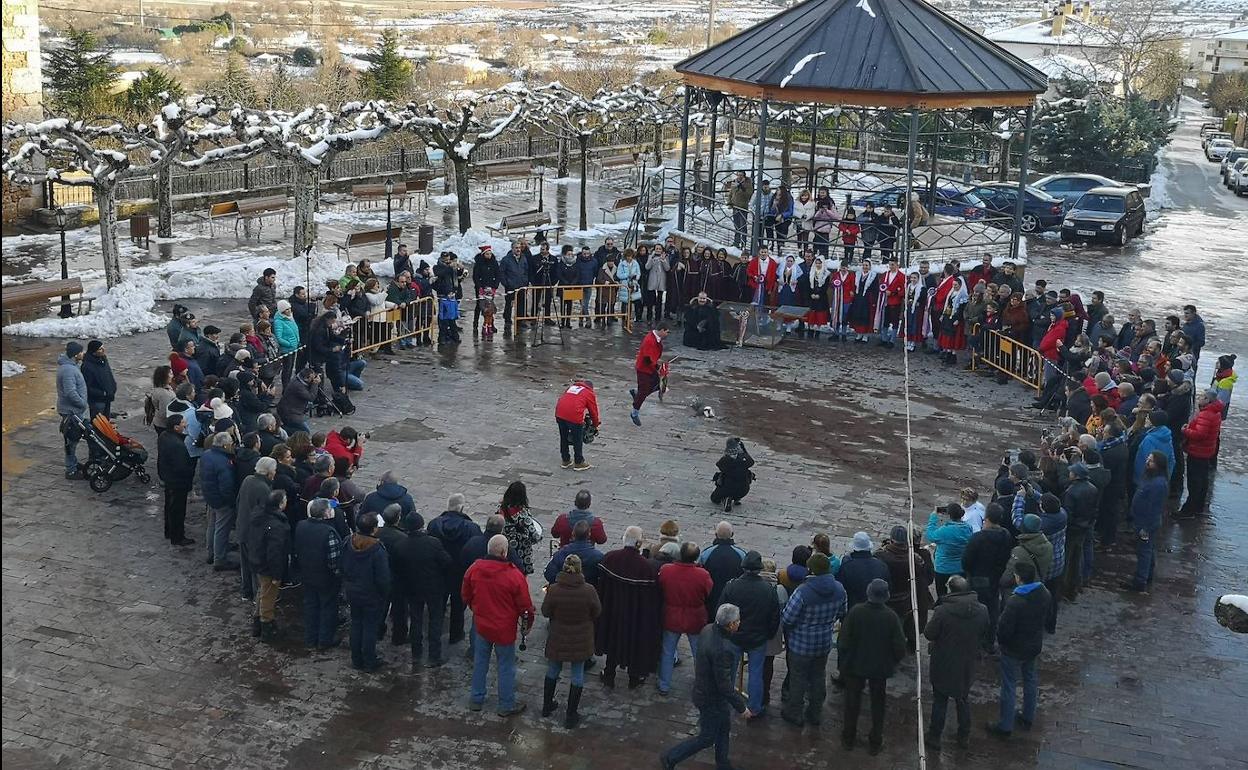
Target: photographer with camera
x=740, y=193
x=296, y=401
x=576, y=404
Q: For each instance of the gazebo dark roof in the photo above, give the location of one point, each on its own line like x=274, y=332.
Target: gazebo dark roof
x=870, y=53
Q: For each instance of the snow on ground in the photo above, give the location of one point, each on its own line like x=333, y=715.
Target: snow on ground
x=1159, y=186
x=12, y=369
x=1235, y=600
x=598, y=231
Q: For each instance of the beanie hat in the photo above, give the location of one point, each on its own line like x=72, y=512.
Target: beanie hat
x=671, y=549
x=283, y=305
x=897, y=534
x=72, y=349
x=862, y=541
x=1031, y=523
x=1175, y=376
x=1005, y=487
x=221, y=410
x=753, y=562
x=93, y=346
x=818, y=564
x=877, y=591
x=1079, y=471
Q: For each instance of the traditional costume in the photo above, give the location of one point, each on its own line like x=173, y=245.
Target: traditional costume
x=702, y=326
x=817, y=289
x=790, y=276
x=840, y=297
x=888, y=306
x=952, y=321
x=629, y=630
x=862, y=309
x=762, y=274
x=916, y=310
x=936, y=305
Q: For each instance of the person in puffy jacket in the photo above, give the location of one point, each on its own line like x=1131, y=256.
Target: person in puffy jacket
x=572, y=606
x=366, y=585
x=388, y=491
x=455, y=529
x=859, y=568
x=1020, y=636
x=1147, y=506
x=217, y=484
x=870, y=645
x=760, y=617
x=685, y=586
x=264, y=294
x=71, y=400
x=562, y=528
x=1156, y=438
x=101, y=384
x=422, y=569
x=950, y=539
x=499, y=597
x=1201, y=436
x=318, y=550
x=268, y=548
x=959, y=629
x=346, y=444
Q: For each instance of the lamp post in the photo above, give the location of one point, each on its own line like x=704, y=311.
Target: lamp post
x=66, y=312
x=389, y=237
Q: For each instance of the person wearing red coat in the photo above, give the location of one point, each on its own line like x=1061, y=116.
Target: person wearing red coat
x=1053, y=339
x=762, y=277
x=1201, y=438
x=498, y=594
x=562, y=528
x=647, y=369
x=888, y=307
x=685, y=586
x=570, y=411
x=347, y=444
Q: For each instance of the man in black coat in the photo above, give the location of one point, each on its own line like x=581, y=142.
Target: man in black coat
x=714, y=692
x=985, y=557
x=268, y=548
x=478, y=546
x=722, y=558
x=958, y=630
x=177, y=472
x=1080, y=502
x=1116, y=458
x=101, y=384
x=760, y=617
x=297, y=397
x=318, y=550
x=422, y=573
x=869, y=647
x=1020, y=635
x=859, y=568
x=454, y=528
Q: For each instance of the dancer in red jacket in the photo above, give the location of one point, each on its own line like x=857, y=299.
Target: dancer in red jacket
x=570, y=412
x=647, y=369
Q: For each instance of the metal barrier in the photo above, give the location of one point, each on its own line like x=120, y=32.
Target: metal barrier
x=566, y=301
x=1012, y=358
x=385, y=327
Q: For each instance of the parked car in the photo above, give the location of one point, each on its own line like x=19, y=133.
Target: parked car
x=951, y=200
x=1238, y=175
x=1041, y=211
x=1229, y=160
x=1071, y=187
x=1210, y=137
x=1113, y=214
x=1218, y=149
x=1205, y=128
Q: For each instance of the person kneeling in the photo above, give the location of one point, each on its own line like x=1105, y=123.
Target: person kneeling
x=733, y=479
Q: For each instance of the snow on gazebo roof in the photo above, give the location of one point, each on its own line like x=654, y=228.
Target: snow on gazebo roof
x=870, y=53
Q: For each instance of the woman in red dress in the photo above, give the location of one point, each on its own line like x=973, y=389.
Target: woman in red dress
x=866, y=293
x=818, y=289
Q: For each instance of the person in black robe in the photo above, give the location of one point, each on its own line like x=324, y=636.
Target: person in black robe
x=733, y=479
x=702, y=324
x=630, y=628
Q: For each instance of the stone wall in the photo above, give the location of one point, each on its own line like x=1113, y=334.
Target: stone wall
x=22, y=89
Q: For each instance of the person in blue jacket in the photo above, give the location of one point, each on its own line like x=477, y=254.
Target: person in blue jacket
x=1156, y=439
x=950, y=540
x=1147, y=505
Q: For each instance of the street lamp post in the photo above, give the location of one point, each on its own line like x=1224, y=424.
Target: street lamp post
x=66, y=312
x=389, y=236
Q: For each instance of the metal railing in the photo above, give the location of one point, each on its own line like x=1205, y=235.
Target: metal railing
x=394, y=324
x=1012, y=358
x=572, y=303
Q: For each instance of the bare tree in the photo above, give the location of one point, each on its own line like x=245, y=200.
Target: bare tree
x=1132, y=38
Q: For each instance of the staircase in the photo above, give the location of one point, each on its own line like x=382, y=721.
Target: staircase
x=659, y=195
x=649, y=233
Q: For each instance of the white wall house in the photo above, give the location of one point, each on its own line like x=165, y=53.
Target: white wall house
x=1065, y=44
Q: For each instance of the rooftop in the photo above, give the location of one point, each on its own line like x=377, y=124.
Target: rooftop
x=1075, y=32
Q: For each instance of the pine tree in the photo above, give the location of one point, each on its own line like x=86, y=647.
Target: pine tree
x=80, y=76
x=235, y=85
x=154, y=89
x=280, y=93
x=390, y=75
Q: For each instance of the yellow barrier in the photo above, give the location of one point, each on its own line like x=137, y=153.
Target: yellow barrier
x=383, y=327
x=566, y=301
x=1012, y=358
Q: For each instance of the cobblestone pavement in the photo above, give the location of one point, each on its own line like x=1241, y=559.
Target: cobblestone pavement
x=119, y=651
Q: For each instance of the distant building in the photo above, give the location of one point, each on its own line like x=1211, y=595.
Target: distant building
x=22, y=92
x=1063, y=30
x=1222, y=52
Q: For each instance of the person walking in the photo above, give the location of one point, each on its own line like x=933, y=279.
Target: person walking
x=177, y=473
x=1147, y=506
x=318, y=550
x=498, y=594
x=366, y=585
x=809, y=618
x=570, y=411
x=760, y=617
x=572, y=605
x=71, y=402
x=648, y=368
x=713, y=691
x=1020, y=636
x=685, y=586
x=869, y=647
x=423, y=571
x=958, y=630
x=268, y=549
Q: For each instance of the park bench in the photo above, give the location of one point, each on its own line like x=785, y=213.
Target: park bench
x=606, y=163
x=403, y=192
x=536, y=222
x=619, y=204
x=219, y=211
x=41, y=295
x=367, y=238
x=497, y=173
x=259, y=209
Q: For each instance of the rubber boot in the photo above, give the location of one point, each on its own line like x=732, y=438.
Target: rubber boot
x=268, y=632
x=574, y=702
x=548, y=697
x=255, y=626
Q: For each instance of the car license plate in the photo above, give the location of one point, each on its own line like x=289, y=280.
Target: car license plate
x=1085, y=232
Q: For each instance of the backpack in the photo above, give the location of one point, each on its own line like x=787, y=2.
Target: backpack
x=149, y=409
x=205, y=430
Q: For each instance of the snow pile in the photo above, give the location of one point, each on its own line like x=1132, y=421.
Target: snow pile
x=12, y=369
x=801, y=64
x=467, y=246
x=598, y=231
x=1159, y=186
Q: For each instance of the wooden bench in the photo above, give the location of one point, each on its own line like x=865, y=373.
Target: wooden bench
x=620, y=204
x=526, y=222
x=43, y=294
x=497, y=173
x=367, y=238
x=219, y=211
x=403, y=192
x=259, y=209
x=607, y=162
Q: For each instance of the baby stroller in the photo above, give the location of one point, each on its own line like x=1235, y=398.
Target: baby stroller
x=113, y=456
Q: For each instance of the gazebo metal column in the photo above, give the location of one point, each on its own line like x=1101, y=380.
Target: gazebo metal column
x=1022, y=181
x=811, y=183
x=756, y=230
x=684, y=163
x=911, y=151
x=713, y=98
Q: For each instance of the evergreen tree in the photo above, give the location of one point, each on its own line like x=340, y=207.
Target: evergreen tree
x=280, y=93
x=390, y=75
x=154, y=89
x=80, y=76
x=1083, y=131
x=235, y=85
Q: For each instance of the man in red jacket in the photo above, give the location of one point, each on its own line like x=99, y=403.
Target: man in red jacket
x=498, y=594
x=347, y=444
x=685, y=586
x=1201, y=438
x=647, y=369
x=570, y=411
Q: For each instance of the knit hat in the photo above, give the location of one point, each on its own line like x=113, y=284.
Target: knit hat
x=242, y=354
x=897, y=534
x=862, y=541
x=1031, y=523
x=1079, y=471
x=221, y=410
x=818, y=564
x=72, y=349
x=283, y=305
x=1175, y=376
x=671, y=549
x=753, y=562
x=877, y=591
x=1005, y=487
x=93, y=346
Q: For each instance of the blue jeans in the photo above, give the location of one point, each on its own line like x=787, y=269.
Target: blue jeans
x=364, y=624
x=1011, y=668
x=222, y=523
x=554, y=667
x=671, y=640
x=757, y=657
x=295, y=427
x=1145, y=558
x=320, y=615
x=71, y=455
x=714, y=724
x=506, y=654
x=355, y=368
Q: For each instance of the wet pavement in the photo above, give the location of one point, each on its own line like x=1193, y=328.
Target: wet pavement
x=119, y=651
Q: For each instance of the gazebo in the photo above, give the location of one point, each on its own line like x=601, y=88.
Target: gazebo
x=900, y=71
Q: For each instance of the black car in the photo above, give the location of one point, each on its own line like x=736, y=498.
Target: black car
x=1112, y=214
x=1041, y=211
